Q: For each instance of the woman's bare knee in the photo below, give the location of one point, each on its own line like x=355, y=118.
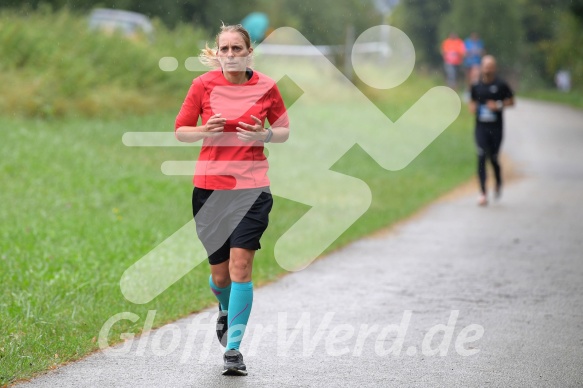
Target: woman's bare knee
x=241, y=264
x=220, y=274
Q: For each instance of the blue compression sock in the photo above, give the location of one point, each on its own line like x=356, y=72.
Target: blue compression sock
x=240, y=308
x=222, y=294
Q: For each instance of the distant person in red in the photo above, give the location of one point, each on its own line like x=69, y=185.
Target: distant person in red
x=231, y=199
x=453, y=51
x=489, y=97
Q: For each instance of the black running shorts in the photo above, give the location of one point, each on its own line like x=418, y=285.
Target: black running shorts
x=228, y=219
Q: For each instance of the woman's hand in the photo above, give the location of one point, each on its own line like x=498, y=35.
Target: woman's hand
x=250, y=132
x=215, y=125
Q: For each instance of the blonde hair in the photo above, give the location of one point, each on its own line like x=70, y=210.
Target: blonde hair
x=208, y=56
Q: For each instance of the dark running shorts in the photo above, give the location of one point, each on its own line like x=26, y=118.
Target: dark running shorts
x=228, y=219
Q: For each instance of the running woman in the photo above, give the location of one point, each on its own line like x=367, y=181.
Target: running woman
x=488, y=99
x=231, y=199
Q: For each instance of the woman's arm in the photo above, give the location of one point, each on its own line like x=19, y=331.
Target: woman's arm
x=256, y=132
x=280, y=134
x=213, y=127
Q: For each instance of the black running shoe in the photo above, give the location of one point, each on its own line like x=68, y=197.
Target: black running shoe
x=222, y=327
x=234, y=365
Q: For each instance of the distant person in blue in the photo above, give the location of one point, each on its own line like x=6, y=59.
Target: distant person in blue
x=473, y=58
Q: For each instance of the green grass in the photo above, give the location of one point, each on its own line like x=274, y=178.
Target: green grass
x=573, y=98
x=54, y=66
x=79, y=208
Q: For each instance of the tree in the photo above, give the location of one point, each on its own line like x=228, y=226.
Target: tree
x=566, y=51
x=540, y=19
x=322, y=22
x=420, y=20
x=576, y=8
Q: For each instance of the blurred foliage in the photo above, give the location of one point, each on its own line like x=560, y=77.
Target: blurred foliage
x=420, y=20
x=576, y=8
x=532, y=38
x=53, y=66
x=322, y=22
x=567, y=52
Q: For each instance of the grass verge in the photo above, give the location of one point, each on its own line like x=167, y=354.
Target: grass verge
x=573, y=98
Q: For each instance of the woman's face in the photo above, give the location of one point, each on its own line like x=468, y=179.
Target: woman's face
x=233, y=51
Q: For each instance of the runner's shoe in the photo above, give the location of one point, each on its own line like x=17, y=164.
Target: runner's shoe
x=222, y=327
x=498, y=192
x=482, y=200
x=234, y=365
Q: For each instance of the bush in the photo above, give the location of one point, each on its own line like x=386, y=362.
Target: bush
x=567, y=52
x=53, y=66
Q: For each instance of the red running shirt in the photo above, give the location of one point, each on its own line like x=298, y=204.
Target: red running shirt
x=454, y=50
x=225, y=162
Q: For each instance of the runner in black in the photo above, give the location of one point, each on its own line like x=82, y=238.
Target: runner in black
x=488, y=99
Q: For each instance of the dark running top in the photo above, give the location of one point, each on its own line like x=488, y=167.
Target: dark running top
x=498, y=90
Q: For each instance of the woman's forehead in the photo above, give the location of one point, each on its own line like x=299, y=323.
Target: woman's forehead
x=231, y=38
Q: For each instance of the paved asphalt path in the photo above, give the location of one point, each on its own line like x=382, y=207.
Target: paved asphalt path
x=503, y=282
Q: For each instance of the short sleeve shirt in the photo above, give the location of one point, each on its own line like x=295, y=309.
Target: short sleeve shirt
x=473, y=52
x=498, y=90
x=453, y=51
x=225, y=162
